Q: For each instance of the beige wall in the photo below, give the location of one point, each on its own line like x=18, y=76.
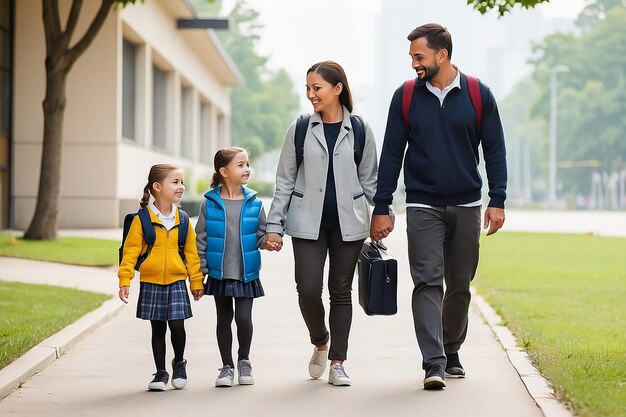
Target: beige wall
x=103, y=174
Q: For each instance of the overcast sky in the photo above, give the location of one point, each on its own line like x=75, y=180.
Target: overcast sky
x=299, y=33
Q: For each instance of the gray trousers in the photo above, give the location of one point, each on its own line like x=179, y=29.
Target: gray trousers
x=310, y=257
x=443, y=246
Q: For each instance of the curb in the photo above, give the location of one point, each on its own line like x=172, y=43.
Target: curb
x=50, y=349
x=536, y=385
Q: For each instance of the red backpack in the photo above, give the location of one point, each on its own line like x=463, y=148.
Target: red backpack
x=474, y=92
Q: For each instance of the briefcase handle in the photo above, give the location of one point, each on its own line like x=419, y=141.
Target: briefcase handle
x=379, y=244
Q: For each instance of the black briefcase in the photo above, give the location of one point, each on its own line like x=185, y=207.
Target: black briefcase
x=378, y=280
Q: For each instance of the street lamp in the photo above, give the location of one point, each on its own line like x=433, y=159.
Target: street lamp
x=552, y=202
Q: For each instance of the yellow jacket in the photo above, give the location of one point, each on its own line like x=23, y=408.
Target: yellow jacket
x=164, y=264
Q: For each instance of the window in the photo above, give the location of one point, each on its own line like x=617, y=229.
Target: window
x=186, y=122
x=129, y=65
x=205, y=132
x=159, y=108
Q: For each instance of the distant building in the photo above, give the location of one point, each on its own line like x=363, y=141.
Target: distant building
x=144, y=92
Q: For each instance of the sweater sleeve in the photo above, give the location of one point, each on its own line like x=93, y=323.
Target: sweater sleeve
x=286, y=173
x=494, y=150
x=368, y=166
x=261, y=229
x=193, y=261
x=201, y=238
x=392, y=156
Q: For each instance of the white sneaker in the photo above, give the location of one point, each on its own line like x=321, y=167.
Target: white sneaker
x=244, y=368
x=226, y=377
x=317, y=364
x=338, y=376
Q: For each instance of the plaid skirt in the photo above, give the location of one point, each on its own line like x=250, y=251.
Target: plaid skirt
x=163, y=302
x=234, y=288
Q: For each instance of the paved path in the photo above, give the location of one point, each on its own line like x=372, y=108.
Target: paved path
x=106, y=373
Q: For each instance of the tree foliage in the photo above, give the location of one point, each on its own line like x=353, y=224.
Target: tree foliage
x=591, y=96
x=502, y=6
x=264, y=106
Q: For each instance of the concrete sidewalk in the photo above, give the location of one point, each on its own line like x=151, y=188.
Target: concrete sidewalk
x=107, y=371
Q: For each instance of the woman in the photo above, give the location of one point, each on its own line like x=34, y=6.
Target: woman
x=322, y=203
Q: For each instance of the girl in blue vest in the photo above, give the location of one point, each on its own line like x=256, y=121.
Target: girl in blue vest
x=230, y=231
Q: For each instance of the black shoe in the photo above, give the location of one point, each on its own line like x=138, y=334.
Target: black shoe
x=435, y=377
x=179, y=374
x=159, y=382
x=454, y=369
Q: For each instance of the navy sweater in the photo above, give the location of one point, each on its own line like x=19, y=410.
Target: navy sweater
x=441, y=161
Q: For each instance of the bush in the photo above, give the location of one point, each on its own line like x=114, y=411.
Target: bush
x=264, y=188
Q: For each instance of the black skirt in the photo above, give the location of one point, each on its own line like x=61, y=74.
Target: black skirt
x=234, y=288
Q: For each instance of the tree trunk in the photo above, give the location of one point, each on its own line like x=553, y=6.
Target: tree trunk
x=44, y=223
x=59, y=60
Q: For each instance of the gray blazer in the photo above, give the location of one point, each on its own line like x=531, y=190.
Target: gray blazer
x=299, y=197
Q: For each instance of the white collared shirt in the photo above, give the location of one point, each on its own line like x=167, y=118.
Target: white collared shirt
x=441, y=94
x=168, y=221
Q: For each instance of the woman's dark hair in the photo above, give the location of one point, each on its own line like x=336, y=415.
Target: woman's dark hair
x=437, y=37
x=222, y=158
x=332, y=72
x=157, y=173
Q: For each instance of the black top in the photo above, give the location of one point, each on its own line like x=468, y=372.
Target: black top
x=330, y=216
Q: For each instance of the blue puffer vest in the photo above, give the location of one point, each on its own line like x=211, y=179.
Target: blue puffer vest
x=216, y=233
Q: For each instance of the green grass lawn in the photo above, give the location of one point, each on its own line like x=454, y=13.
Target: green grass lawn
x=69, y=250
x=30, y=313
x=564, y=297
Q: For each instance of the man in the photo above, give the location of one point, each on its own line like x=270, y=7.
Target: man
x=443, y=194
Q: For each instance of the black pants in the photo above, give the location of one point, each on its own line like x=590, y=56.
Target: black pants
x=310, y=258
x=242, y=313
x=178, y=337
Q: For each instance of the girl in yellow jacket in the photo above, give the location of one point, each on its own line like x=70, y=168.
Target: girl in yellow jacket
x=163, y=297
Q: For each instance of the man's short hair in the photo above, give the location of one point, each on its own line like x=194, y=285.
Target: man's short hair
x=437, y=37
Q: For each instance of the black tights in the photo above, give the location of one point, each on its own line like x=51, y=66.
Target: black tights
x=179, y=338
x=243, y=319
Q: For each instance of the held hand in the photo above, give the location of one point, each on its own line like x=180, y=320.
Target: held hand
x=494, y=219
x=123, y=294
x=273, y=242
x=197, y=294
x=381, y=226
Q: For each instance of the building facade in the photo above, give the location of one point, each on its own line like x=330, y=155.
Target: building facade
x=144, y=92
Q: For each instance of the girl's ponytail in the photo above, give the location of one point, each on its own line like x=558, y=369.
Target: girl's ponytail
x=146, y=196
x=216, y=180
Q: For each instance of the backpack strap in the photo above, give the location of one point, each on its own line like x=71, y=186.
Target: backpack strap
x=407, y=95
x=472, y=86
x=477, y=102
x=302, y=124
x=359, y=137
x=183, y=228
x=149, y=234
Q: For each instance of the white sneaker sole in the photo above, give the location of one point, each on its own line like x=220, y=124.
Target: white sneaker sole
x=156, y=386
x=179, y=383
x=222, y=383
x=434, y=382
x=246, y=381
x=340, y=383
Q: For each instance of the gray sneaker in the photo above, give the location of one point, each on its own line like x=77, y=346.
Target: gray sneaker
x=317, y=364
x=435, y=377
x=244, y=368
x=338, y=377
x=226, y=377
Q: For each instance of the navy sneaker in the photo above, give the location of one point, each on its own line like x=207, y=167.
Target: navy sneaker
x=159, y=382
x=454, y=369
x=435, y=377
x=179, y=374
